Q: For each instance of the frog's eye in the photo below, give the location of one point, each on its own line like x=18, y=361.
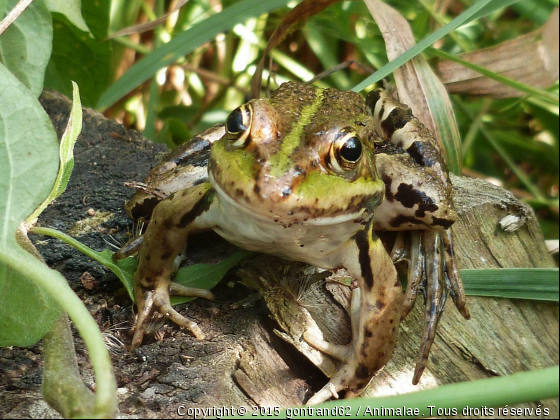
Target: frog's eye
x=238, y=125
x=346, y=151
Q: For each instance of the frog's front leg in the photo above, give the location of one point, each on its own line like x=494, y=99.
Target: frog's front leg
x=375, y=316
x=172, y=221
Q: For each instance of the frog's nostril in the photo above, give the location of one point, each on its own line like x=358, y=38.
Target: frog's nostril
x=298, y=171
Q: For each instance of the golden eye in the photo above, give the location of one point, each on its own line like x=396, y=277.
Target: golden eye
x=346, y=150
x=238, y=125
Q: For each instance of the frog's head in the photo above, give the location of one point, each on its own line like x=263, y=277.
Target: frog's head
x=305, y=153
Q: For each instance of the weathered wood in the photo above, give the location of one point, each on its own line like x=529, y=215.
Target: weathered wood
x=247, y=358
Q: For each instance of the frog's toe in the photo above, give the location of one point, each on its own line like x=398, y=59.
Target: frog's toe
x=415, y=273
x=145, y=307
x=343, y=380
x=180, y=290
x=453, y=276
x=164, y=307
x=337, y=351
x=151, y=301
x=345, y=377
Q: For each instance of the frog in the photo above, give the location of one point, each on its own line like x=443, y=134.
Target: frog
x=310, y=175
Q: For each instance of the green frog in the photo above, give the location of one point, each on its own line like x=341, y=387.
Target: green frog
x=311, y=175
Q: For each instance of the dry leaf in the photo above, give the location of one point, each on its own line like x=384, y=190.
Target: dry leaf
x=417, y=84
x=531, y=59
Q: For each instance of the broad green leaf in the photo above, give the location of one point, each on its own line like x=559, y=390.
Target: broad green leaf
x=66, y=155
x=184, y=43
x=97, y=16
x=3, y=8
x=72, y=9
x=519, y=283
x=476, y=11
x=79, y=57
x=28, y=155
x=26, y=311
x=25, y=47
x=28, y=150
x=206, y=276
x=56, y=286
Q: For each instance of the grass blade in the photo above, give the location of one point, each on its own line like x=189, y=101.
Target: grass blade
x=479, y=395
x=516, y=283
x=183, y=44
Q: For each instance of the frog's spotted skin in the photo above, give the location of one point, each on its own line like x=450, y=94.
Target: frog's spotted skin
x=420, y=196
x=295, y=176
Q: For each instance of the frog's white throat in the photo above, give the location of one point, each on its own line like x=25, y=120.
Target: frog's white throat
x=227, y=200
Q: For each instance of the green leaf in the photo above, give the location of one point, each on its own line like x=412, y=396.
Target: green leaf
x=97, y=15
x=184, y=43
x=79, y=57
x=56, y=286
x=72, y=9
x=28, y=155
x=28, y=148
x=206, y=276
x=26, y=311
x=476, y=11
x=73, y=129
x=517, y=283
x=25, y=47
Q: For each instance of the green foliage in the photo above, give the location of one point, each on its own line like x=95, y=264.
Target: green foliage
x=27, y=152
x=184, y=43
x=25, y=47
x=66, y=154
x=200, y=276
x=71, y=9
x=79, y=56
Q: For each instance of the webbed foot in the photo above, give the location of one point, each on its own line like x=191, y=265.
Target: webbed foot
x=433, y=270
x=157, y=299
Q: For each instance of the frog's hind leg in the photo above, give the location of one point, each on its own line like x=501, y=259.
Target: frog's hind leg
x=375, y=314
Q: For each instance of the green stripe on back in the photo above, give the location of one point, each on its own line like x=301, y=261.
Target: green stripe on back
x=281, y=161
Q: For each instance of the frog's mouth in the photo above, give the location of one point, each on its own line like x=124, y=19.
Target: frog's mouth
x=277, y=213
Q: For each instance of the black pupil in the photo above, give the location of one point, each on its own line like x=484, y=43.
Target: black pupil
x=352, y=149
x=234, y=122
